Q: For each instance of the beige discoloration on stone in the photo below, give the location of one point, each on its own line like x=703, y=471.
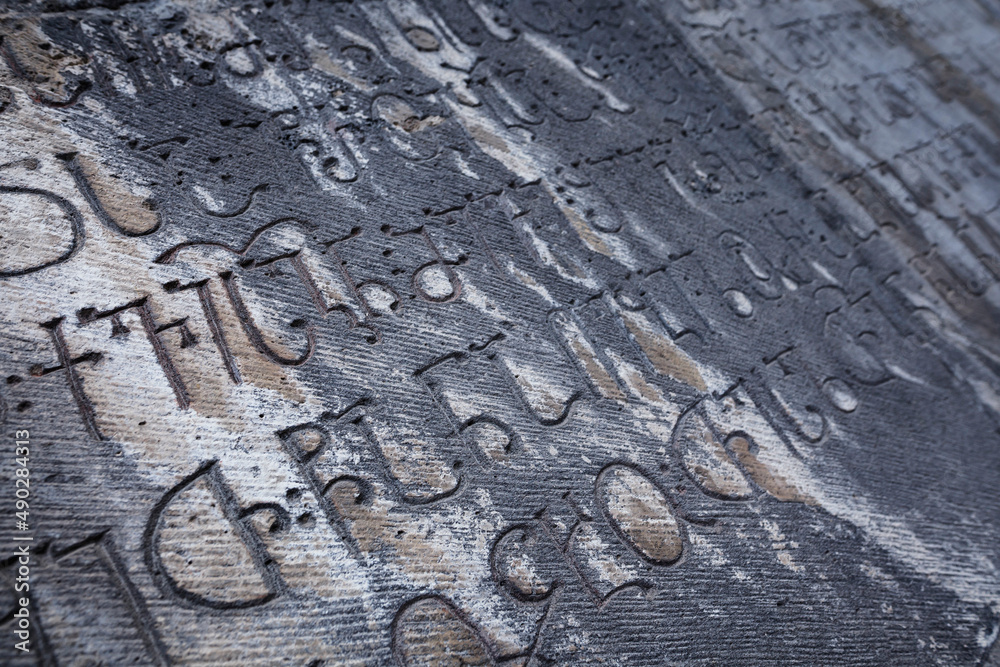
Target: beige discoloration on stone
x=665, y=356
x=547, y=397
x=423, y=39
x=429, y=633
x=413, y=460
x=133, y=213
x=490, y=439
x=382, y=528
x=340, y=68
x=204, y=374
x=760, y=451
x=41, y=63
x=774, y=483
x=210, y=24
x=33, y=231
x=201, y=551
x=636, y=382
x=484, y=137
x=521, y=571
x=443, y=551
x=374, y=525
x=782, y=546
x=708, y=460
x=587, y=356
x=591, y=238
x=531, y=283
x=643, y=513
x=403, y=117
x=592, y=552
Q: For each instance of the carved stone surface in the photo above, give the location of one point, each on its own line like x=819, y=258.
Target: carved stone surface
x=527, y=333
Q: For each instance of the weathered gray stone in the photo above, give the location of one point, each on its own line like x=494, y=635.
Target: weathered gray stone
x=526, y=333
